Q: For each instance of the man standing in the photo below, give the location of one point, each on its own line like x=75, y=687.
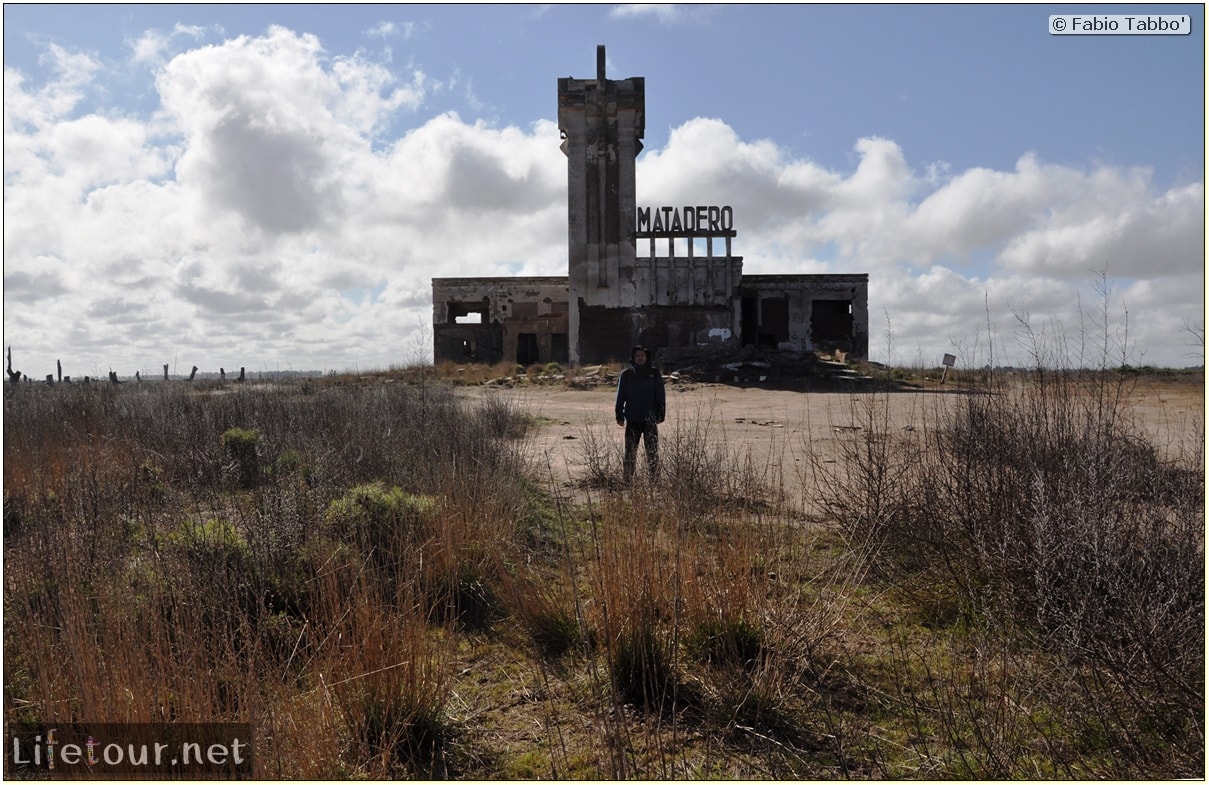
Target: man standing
x=641, y=406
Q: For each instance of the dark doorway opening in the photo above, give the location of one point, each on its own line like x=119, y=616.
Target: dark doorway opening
x=749, y=321
x=774, y=321
x=559, y=349
x=526, y=349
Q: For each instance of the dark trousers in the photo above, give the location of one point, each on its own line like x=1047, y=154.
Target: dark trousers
x=648, y=432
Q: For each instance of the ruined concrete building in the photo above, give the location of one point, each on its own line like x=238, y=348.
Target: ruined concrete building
x=664, y=277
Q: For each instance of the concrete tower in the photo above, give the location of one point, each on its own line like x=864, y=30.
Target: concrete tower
x=602, y=122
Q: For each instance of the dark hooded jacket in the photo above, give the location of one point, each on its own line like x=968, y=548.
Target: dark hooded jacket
x=640, y=393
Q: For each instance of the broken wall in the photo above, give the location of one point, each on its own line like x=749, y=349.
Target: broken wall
x=608, y=334
x=521, y=320
x=806, y=312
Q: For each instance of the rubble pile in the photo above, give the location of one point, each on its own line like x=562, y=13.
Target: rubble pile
x=764, y=366
x=749, y=365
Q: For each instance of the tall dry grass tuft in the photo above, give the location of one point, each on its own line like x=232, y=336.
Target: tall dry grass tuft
x=705, y=475
x=633, y=579
x=706, y=614
x=383, y=670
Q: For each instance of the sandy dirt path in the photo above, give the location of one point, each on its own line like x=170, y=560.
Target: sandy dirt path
x=788, y=427
x=776, y=426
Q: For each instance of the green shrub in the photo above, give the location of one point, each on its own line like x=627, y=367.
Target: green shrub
x=217, y=557
x=377, y=516
x=151, y=477
x=289, y=463
x=214, y=536
x=640, y=668
x=461, y=591
x=727, y=642
x=386, y=524
x=241, y=445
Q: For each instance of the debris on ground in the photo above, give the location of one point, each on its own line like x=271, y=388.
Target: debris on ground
x=750, y=365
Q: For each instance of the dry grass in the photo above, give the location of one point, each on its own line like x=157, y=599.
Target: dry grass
x=364, y=569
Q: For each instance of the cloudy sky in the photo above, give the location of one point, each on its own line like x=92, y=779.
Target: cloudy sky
x=275, y=186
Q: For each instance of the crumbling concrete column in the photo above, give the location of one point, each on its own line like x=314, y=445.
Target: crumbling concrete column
x=602, y=121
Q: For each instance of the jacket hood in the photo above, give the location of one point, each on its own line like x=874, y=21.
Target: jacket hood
x=637, y=349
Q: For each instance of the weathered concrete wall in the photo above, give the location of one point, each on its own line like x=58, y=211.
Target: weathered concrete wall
x=693, y=266
x=523, y=320
x=812, y=320
x=609, y=333
x=684, y=280
x=789, y=312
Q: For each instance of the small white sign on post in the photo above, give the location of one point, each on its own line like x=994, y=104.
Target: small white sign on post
x=948, y=363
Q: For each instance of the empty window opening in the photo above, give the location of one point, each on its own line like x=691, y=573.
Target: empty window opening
x=466, y=313
x=831, y=324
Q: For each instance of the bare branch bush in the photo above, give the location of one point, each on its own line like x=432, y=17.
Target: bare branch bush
x=1042, y=512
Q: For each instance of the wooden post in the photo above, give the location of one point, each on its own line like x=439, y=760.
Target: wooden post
x=241, y=369
x=138, y=378
x=59, y=366
x=165, y=371
x=222, y=374
x=193, y=373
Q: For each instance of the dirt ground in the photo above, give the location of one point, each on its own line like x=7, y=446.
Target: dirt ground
x=788, y=426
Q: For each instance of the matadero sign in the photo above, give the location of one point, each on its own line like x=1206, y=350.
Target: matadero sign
x=687, y=221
